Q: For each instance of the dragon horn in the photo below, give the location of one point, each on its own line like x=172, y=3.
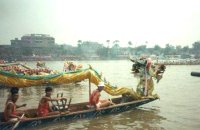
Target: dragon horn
x=131, y=59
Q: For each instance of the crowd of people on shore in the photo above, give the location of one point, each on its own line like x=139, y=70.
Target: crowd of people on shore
x=179, y=62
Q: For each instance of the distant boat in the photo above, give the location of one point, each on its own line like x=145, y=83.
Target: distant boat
x=197, y=74
x=19, y=75
x=12, y=78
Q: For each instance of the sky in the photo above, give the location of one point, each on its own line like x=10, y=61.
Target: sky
x=150, y=22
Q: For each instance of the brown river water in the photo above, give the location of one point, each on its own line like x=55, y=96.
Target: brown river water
x=177, y=109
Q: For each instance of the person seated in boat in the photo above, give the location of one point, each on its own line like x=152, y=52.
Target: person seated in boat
x=44, y=108
x=10, y=113
x=95, y=98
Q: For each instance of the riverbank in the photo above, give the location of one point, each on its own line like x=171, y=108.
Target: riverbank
x=179, y=62
x=166, y=62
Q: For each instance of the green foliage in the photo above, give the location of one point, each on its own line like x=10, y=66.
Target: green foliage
x=86, y=49
x=169, y=50
x=102, y=52
x=185, y=56
x=196, y=48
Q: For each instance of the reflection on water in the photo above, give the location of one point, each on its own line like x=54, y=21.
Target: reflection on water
x=177, y=109
x=138, y=119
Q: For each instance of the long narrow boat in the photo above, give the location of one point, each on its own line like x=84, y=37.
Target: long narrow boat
x=197, y=74
x=76, y=111
x=10, y=79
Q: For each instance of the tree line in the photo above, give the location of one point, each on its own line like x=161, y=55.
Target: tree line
x=95, y=50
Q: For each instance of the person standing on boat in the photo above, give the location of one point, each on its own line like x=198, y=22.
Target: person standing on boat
x=44, y=108
x=95, y=98
x=10, y=113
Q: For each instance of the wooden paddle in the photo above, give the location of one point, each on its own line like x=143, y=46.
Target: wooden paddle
x=17, y=123
x=69, y=103
x=63, y=101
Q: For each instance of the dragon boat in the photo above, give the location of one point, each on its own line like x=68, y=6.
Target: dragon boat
x=74, y=112
x=21, y=80
x=130, y=99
